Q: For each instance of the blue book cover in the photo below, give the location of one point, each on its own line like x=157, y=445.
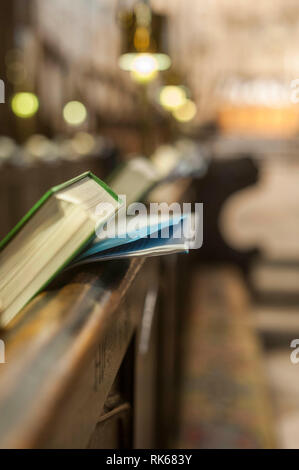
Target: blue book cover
x=152, y=238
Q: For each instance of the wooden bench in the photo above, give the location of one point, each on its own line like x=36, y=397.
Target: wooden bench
x=94, y=360
x=91, y=361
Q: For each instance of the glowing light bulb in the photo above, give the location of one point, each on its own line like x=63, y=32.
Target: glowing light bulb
x=25, y=105
x=186, y=112
x=74, y=113
x=126, y=60
x=172, y=97
x=144, y=68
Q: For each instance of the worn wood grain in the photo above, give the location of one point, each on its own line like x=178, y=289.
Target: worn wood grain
x=48, y=346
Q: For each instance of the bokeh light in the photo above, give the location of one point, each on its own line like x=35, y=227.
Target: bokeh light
x=172, y=97
x=186, y=112
x=144, y=68
x=7, y=148
x=126, y=60
x=39, y=147
x=74, y=113
x=25, y=105
x=83, y=143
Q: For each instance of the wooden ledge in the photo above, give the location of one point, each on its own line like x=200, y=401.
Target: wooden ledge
x=53, y=338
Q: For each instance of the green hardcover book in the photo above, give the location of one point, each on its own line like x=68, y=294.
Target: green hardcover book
x=53, y=232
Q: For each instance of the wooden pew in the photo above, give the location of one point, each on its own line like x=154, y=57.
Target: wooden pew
x=93, y=362
x=90, y=361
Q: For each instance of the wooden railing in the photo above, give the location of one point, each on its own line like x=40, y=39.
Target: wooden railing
x=90, y=362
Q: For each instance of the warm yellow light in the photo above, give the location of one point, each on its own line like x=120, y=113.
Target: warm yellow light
x=83, y=143
x=172, y=97
x=126, y=60
x=186, y=112
x=36, y=145
x=144, y=68
x=24, y=105
x=165, y=159
x=142, y=39
x=74, y=113
x=164, y=61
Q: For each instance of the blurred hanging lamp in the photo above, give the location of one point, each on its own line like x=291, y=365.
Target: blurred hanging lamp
x=144, y=48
